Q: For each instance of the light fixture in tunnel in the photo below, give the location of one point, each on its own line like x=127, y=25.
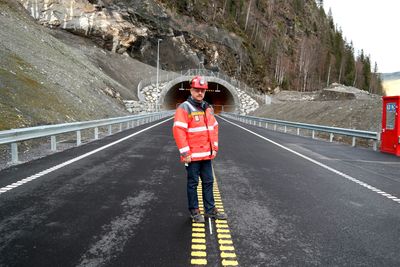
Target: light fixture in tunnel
x=217, y=90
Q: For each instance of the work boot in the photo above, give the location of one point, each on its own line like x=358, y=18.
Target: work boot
x=214, y=213
x=196, y=216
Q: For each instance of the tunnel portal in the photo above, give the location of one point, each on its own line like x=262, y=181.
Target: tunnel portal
x=217, y=95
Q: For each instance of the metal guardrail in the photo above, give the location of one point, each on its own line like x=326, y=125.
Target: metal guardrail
x=312, y=127
x=14, y=136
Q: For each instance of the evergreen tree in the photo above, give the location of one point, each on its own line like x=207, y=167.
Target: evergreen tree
x=366, y=74
x=349, y=65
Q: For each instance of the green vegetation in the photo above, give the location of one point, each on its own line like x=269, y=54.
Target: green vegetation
x=296, y=38
x=23, y=99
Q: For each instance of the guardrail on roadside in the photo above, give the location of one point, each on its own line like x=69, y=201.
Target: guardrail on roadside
x=374, y=136
x=14, y=136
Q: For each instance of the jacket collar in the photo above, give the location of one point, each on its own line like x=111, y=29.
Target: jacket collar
x=203, y=104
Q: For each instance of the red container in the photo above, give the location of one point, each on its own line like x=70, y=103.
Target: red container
x=390, y=136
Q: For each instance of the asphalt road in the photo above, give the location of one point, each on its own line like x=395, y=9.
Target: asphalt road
x=291, y=201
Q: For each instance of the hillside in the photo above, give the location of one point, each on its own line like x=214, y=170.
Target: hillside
x=337, y=106
x=49, y=75
x=52, y=76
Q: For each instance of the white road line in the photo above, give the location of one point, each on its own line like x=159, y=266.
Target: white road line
x=49, y=170
x=348, y=177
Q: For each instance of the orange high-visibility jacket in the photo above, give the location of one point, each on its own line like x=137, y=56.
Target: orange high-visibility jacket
x=195, y=131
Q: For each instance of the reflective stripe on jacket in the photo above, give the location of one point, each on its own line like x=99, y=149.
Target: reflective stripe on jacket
x=195, y=131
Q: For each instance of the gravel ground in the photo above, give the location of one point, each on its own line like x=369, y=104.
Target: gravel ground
x=336, y=106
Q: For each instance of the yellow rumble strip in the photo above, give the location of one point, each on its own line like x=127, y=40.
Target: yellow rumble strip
x=199, y=254
x=227, y=250
x=225, y=244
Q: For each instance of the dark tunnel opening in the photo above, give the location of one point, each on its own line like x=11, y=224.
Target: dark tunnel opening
x=217, y=95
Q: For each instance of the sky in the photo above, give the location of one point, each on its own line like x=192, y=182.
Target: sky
x=372, y=25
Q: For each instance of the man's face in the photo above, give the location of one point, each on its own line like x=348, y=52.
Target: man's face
x=197, y=94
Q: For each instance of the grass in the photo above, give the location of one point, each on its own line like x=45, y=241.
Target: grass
x=24, y=99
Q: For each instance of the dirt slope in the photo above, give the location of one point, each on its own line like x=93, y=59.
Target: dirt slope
x=337, y=106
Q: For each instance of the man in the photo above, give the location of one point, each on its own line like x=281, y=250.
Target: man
x=196, y=135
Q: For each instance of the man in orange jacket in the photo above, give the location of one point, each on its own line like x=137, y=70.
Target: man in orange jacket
x=196, y=135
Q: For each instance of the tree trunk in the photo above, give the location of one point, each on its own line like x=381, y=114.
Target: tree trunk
x=247, y=16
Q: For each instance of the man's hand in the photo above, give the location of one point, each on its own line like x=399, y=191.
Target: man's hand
x=187, y=159
x=214, y=153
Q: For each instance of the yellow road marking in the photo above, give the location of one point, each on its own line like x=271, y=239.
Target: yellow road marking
x=198, y=235
x=228, y=255
x=199, y=240
x=198, y=261
x=225, y=242
x=220, y=236
x=229, y=263
x=199, y=254
x=226, y=248
x=198, y=247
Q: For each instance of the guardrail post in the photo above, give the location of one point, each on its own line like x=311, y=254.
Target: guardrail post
x=298, y=131
x=53, y=143
x=313, y=134
x=285, y=128
x=274, y=127
x=127, y=125
x=110, y=129
x=266, y=125
x=375, y=145
x=353, y=142
x=259, y=124
x=331, y=137
x=78, y=138
x=96, y=133
x=14, y=152
x=120, y=127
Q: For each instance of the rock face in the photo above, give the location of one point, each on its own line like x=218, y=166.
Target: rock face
x=108, y=26
x=135, y=26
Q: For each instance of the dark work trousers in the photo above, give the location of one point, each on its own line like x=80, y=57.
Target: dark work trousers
x=202, y=169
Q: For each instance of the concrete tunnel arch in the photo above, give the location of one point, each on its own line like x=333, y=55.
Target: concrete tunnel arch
x=220, y=94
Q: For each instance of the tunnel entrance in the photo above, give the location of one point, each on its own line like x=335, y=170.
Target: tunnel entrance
x=217, y=95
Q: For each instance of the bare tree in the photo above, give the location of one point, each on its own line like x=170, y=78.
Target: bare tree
x=271, y=7
x=329, y=71
x=280, y=68
x=223, y=9
x=307, y=60
x=247, y=16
